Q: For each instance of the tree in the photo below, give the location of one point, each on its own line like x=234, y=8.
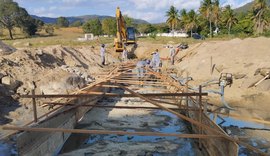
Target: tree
x=150, y=29
x=261, y=22
x=191, y=21
x=93, y=26
x=62, y=22
x=9, y=15
x=229, y=18
x=183, y=18
x=216, y=12
x=162, y=28
x=76, y=24
x=129, y=21
x=173, y=17
x=49, y=29
x=245, y=24
x=109, y=26
x=142, y=28
x=206, y=10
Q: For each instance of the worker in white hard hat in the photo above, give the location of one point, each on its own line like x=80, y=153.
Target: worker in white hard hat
x=102, y=54
x=141, y=68
x=125, y=55
x=172, y=54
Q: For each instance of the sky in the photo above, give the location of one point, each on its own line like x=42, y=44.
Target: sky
x=152, y=11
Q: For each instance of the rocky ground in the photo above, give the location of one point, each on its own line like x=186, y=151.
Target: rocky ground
x=49, y=70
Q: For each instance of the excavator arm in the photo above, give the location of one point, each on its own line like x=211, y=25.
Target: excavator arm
x=124, y=35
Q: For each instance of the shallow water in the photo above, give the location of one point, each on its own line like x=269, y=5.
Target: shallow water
x=173, y=125
x=229, y=121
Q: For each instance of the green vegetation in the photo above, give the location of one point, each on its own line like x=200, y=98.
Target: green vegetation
x=109, y=26
x=223, y=20
x=93, y=26
x=76, y=24
x=173, y=17
x=62, y=22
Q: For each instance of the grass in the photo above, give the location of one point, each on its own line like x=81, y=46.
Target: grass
x=62, y=36
x=68, y=37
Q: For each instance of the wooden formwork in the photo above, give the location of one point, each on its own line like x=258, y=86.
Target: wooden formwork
x=42, y=143
x=212, y=140
x=212, y=146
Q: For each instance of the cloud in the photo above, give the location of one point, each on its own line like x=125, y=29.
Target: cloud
x=235, y=3
x=148, y=16
x=150, y=10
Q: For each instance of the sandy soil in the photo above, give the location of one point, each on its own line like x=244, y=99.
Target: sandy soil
x=54, y=69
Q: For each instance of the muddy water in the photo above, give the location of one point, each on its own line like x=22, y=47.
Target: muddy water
x=130, y=120
x=255, y=134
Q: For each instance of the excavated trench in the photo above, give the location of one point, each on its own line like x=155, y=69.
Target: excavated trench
x=129, y=120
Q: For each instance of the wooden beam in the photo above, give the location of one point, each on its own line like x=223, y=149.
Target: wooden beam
x=111, y=95
x=104, y=106
x=83, y=131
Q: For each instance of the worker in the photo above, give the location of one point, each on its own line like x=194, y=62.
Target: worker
x=102, y=54
x=172, y=55
x=141, y=68
x=125, y=55
x=179, y=48
x=155, y=62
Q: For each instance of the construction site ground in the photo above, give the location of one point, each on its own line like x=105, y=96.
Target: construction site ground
x=64, y=69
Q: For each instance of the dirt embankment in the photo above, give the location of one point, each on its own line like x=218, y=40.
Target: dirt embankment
x=247, y=60
x=54, y=69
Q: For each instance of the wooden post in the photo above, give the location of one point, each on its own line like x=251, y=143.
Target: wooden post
x=34, y=106
x=200, y=116
x=211, y=65
x=187, y=90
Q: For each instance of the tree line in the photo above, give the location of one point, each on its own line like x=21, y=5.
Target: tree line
x=211, y=17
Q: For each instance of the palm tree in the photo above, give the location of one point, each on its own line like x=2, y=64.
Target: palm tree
x=229, y=18
x=173, y=17
x=206, y=11
x=192, y=21
x=216, y=12
x=260, y=9
x=183, y=18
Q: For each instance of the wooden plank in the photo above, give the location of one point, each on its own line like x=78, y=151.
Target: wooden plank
x=83, y=131
x=105, y=106
x=111, y=95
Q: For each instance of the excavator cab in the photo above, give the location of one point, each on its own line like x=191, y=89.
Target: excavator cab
x=131, y=39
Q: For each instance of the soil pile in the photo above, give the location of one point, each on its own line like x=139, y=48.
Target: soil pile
x=247, y=60
x=51, y=70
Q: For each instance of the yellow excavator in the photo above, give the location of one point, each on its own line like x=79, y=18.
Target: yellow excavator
x=125, y=35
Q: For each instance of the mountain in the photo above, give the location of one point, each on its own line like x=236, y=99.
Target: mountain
x=247, y=7
x=50, y=20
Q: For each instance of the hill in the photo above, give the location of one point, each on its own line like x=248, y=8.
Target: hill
x=50, y=20
x=247, y=7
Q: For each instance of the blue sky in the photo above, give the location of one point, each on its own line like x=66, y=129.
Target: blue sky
x=150, y=10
